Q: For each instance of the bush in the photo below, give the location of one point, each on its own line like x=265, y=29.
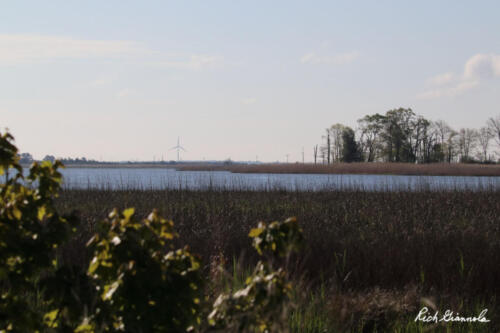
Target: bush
x=144, y=284
x=30, y=232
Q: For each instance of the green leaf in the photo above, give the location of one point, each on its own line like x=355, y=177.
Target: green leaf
x=85, y=327
x=127, y=213
x=93, y=265
x=41, y=213
x=17, y=213
x=255, y=232
x=50, y=318
x=109, y=290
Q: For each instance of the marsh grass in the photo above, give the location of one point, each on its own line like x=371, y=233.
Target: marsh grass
x=369, y=258
x=434, y=169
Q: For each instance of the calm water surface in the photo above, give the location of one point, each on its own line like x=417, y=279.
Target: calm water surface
x=156, y=178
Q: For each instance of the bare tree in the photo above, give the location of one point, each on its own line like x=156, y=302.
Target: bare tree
x=443, y=129
x=328, y=145
x=445, y=136
x=494, y=126
x=315, y=153
x=322, y=151
x=467, y=142
x=326, y=149
x=484, y=137
x=336, y=141
x=370, y=127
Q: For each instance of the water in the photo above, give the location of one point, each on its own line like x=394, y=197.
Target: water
x=156, y=178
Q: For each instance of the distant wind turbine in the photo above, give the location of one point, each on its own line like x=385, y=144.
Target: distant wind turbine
x=178, y=148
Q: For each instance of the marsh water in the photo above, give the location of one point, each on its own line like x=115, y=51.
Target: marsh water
x=159, y=178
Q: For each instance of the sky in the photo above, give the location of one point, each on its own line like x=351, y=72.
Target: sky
x=123, y=80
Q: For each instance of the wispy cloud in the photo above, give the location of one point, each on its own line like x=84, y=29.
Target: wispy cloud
x=441, y=79
x=313, y=58
x=477, y=69
x=192, y=62
x=248, y=101
x=449, y=91
x=19, y=49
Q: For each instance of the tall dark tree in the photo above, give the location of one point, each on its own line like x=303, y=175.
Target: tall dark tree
x=351, y=151
x=398, y=126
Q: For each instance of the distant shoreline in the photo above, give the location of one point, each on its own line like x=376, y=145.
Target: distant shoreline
x=435, y=169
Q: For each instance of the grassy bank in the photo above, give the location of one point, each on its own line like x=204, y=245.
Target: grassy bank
x=369, y=258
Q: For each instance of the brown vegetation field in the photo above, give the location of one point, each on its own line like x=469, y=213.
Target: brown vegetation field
x=435, y=169
x=369, y=255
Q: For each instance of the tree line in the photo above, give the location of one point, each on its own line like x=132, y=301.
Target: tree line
x=401, y=135
x=27, y=158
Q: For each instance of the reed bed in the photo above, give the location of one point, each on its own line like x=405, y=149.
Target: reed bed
x=388, y=249
x=435, y=169
x=442, y=240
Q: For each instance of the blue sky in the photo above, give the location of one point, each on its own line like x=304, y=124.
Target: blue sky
x=120, y=80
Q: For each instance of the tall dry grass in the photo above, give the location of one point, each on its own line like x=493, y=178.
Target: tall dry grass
x=436, y=169
x=439, y=240
x=369, y=260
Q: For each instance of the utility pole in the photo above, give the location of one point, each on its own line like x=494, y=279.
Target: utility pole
x=287, y=157
x=328, y=145
x=302, y=155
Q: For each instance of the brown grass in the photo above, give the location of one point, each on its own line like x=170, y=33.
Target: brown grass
x=354, y=238
x=370, y=258
x=436, y=169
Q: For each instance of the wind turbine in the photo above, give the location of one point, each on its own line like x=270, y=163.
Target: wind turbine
x=178, y=148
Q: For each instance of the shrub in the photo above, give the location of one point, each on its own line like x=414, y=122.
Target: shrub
x=30, y=232
x=144, y=284
x=261, y=305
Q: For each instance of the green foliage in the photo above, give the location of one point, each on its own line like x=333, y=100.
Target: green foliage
x=144, y=284
x=350, y=149
x=259, y=306
x=277, y=238
x=262, y=303
x=30, y=232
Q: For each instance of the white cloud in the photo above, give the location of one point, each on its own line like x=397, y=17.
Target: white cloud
x=313, y=58
x=482, y=66
x=20, y=49
x=449, y=91
x=477, y=69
